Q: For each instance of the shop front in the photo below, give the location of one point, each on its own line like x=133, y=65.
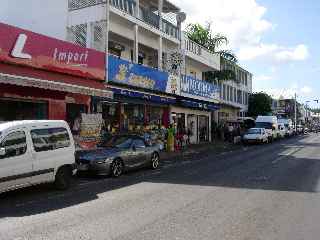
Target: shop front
x=133, y=111
x=193, y=112
x=45, y=78
x=193, y=118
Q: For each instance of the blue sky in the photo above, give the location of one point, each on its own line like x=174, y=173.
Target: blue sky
x=275, y=40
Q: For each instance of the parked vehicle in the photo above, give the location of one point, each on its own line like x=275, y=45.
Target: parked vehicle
x=288, y=124
x=300, y=129
x=119, y=154
x=256, y=135
x=282, y=130
x=270, y=124
x=34, y=152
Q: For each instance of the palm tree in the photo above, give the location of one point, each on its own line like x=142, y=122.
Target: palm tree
x=213, y=43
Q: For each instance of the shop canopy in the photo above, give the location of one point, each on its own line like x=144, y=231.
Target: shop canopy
x=98, y=89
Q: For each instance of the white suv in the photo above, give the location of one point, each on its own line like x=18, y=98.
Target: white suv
x=33, y=152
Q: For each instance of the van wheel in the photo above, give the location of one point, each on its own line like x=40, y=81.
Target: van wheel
x=63, y=178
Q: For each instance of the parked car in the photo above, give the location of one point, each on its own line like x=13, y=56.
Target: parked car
x=282, y=130
x=119, y=154
x=270, y=124
x=256, y=135
x=289, y=128
x=300, y=129
x=34, y=152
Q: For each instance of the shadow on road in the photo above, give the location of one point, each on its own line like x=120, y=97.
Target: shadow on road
x=261, y=168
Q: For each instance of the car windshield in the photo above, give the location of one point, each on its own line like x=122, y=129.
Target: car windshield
x=254, y=131
x=119, y=142
x=265, y=125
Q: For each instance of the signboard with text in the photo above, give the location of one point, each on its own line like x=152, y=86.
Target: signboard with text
x=127, y=73
x=22, y=47
x=198, y=89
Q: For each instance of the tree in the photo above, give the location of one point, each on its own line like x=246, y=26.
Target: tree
x=259, y=104
x=213, y=42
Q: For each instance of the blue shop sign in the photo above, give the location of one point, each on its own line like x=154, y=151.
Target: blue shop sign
x=200, y=105
x=194, y=87
x=145, y=96
x=125, y=72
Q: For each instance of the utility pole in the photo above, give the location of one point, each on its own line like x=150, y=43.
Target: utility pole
x=295, y=111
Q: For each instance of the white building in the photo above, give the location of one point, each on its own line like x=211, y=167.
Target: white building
x=234, y=93
x=141, y=31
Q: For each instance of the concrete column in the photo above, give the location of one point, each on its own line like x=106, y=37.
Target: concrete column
x=89, y=35
x=136, y=44
x=160, y=10
x=107, y=28
x=160, y=51
x=137, y=10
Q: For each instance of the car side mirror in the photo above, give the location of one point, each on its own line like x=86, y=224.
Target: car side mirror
x=2, y=152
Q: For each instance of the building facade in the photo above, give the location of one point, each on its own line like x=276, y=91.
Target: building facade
x=154, y=72
x=46, y=78
x=234, y=94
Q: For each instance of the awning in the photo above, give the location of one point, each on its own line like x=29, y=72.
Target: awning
x=145, y=96
x=59, y=85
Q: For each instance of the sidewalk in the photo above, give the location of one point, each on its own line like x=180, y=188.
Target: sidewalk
x=200, y=150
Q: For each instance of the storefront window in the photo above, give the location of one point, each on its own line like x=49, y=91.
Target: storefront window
x=133, y=117
x=16, y=109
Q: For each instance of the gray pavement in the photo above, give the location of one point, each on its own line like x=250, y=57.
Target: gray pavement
x=261, y=192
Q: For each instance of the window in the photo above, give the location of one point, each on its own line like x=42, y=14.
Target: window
x=123, y=142
x=15, y=144
x=139, y=143
x=50, y=139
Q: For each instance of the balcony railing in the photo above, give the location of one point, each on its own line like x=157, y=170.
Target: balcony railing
x=129, y=7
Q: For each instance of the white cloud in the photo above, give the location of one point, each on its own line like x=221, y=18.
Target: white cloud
x=289, y=92
x=262, y=78
x=244, y=23
x=274, y=52
x=306, y=90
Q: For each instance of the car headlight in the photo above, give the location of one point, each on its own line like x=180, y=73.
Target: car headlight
x=104, y=161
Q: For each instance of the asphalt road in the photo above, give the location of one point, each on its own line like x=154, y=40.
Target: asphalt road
x=261, y=192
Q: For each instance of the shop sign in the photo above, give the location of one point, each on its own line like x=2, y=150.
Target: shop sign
x=195, y=88
x=199, y=105
x=125, y=72
x=22, y=47
x=147, y=97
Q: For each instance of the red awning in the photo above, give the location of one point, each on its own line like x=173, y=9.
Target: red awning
x=27, y=77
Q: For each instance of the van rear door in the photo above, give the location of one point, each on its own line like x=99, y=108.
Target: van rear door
x=51, y=149
x=16, y=163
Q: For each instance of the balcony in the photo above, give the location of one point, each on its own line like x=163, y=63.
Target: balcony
x=200, y=54
x=146, y=15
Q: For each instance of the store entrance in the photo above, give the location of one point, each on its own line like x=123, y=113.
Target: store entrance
x=203, y=128
x=17, y=109
x=74, y=111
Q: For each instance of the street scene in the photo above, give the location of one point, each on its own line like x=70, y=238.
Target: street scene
x=159, y=119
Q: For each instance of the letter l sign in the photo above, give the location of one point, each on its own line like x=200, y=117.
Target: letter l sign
x=17, y=51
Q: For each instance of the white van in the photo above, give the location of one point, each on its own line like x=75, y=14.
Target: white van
x=288, y=126
x=270, y=123
x=33, y=152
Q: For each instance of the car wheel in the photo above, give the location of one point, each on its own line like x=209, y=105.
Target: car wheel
x=63, y=178
x=155, y=161
x=117, y=168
